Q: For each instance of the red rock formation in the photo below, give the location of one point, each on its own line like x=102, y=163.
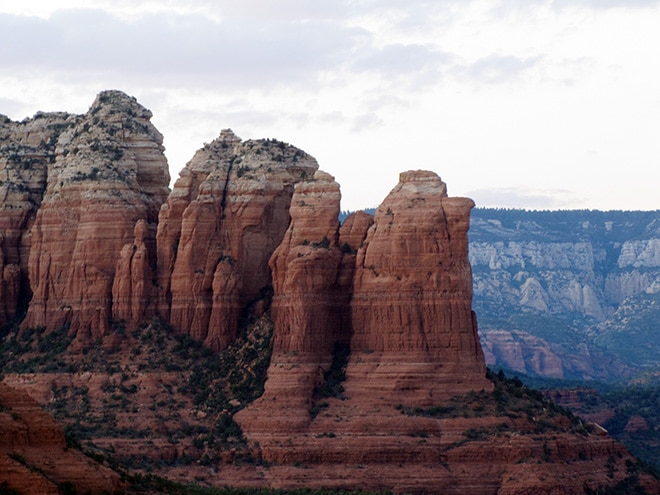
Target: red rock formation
x=635, y=424
x=34, y=457
x=309, y=306
x=26, y=149
x=109, y=173
x=415, y=337
x=412, y=338
x=226, y=215
x=132, y=288
x=520, y=351
x=395, y=288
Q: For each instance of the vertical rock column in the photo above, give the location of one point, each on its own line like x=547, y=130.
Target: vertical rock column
x=309, y=308
x=26, y=149
x=415, y=337
x=131, y=290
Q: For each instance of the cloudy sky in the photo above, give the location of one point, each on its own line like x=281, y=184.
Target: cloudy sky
x=538, y=104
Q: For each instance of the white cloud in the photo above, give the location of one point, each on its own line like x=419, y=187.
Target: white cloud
x=492, y=94
x=498, y=68
x=187, y=49
x=523, y=197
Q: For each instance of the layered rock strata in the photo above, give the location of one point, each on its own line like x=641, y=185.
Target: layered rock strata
x=226, y=215
x=374, y=334
x=27, y=149
x=415, y=335
x=34, y=456
x=408, y=322
x=109, y=172
x=310, y=306
x=557, y=282
x=390, y=422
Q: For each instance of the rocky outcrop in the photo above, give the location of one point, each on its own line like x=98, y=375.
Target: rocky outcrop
x=34, y=456
x=109, y=172
x=521, y=352
x=376, y=376
x=408, y=324
x=226, y=215
x=27, y=149
x=387, y=417
x=415, y=335
x=310, y=306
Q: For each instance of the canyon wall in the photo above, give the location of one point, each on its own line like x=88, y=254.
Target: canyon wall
x=567, y=294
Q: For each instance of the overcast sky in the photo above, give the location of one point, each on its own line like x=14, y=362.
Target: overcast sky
x=515, y=103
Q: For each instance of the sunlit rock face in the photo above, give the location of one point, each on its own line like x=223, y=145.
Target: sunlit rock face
x=108, y=173
x=415, y=335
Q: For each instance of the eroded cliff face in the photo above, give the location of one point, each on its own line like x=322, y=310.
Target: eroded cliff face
x=376, y=377
x=412, y=298
x=310, y=307
x=109, y=172
x=27, y=149
x=406, y=332
x=228, y=212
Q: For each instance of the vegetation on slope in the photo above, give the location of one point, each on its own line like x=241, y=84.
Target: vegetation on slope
x=166, y=399
x=631, y=409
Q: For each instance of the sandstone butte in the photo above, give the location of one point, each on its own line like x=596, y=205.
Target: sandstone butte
x=92, y=240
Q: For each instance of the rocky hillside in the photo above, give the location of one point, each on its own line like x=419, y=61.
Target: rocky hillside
x=35, y=456
x=233, y=332
x=568, y=294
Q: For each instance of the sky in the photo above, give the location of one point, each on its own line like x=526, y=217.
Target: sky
x=535, y=104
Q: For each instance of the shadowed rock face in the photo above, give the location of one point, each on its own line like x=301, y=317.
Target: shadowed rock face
x=226, y=215
x=310, y=304
x=109, y=172
x=27, y=149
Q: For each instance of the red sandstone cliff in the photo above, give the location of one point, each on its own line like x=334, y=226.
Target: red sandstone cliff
x=402, y=303
x=415, y=413
x=415, y=337
x=109, y=172
x=34, y=457
x=405, y=309
x=309, y=308
x=27, y=149
x=226, y=215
